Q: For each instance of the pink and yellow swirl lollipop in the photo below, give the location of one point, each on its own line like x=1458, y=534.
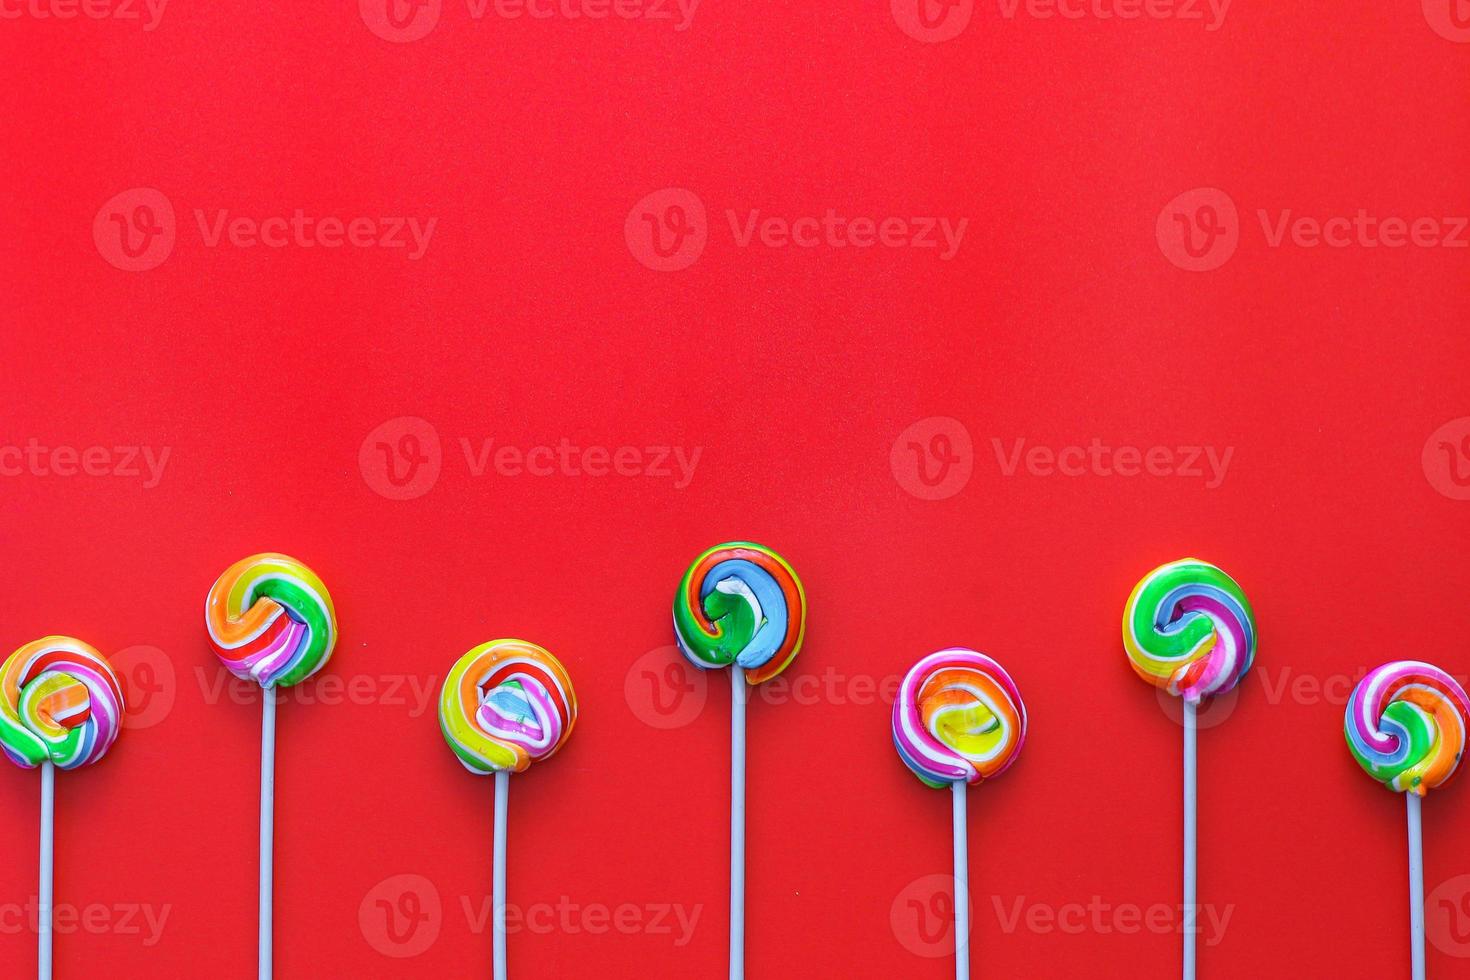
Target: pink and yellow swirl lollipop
x=506, y=704
x=958, y=719
x=60, y=702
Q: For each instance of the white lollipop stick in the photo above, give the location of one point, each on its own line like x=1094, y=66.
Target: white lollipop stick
x=48, y=831
x=267, y=825
x=497, y=927
x=738, y=695
x=961, y=883
x=1416, y=887
x=1191, y=806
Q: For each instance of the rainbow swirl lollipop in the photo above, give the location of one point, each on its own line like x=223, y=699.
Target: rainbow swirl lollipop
x=740, y=603
x=1189, y=629
x=60, y=702
x=1405, y=724
x=958, y=718
x=271, y=620
x=506, y=704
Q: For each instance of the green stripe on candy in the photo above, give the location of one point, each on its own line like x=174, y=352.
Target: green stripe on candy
x=733, y=613
x=1422, y=735
x=21, y=740
x=1178, y=645
x=308, y=607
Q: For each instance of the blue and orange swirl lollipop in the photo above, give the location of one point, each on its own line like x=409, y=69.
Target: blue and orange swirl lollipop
x=740, y=604
x=1406, y=724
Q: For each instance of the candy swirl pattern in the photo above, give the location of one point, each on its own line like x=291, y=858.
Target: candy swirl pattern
x=60, y=702
x=740, y=603
x=1188, y=628
x=506, y=704
x=958, y=717
x=1405, y=724
x=271, y=620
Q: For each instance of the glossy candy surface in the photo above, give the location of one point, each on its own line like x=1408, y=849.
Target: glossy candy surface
x=1405, y=724
x=958, y=717
x=61, y=702
x=270, y=620
x=740, y=603
x=506, y=704
x=1189, y=629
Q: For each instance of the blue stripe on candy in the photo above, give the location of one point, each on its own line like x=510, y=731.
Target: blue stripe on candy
x=772, y=632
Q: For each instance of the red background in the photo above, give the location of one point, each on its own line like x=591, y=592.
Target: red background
x=528, y=320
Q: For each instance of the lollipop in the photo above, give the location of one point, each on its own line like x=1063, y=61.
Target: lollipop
x=1405, y=724
x=270, y=621
x=505, y=705
x=958, y=720
x=1189, y=630
x=740, y=606
x=61, y=707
